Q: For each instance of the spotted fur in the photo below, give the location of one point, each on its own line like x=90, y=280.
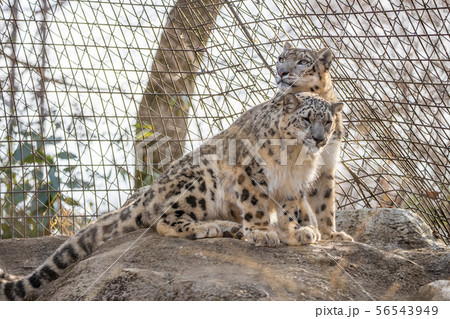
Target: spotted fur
x=232, y=195
x=305, y=70
x=4, y=277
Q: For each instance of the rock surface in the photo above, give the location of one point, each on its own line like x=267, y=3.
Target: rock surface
x=435, y=291
x=393, y=258
x=387, y=228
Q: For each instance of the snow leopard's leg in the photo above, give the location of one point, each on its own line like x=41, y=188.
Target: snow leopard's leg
x=190, y=214
x=254, y=205
x=230, y=229
x=294, y=221
x=322, y=196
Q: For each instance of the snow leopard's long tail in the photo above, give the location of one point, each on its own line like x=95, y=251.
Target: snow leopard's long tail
x=108, y=226
x=4, y=277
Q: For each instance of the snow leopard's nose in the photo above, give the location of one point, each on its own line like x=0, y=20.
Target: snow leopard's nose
x=318, y=133
x=282, y=74
x=318, y=138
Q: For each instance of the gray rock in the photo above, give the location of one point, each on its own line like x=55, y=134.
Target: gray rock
x=387, y=228
x=434, y=291
x=161, y=268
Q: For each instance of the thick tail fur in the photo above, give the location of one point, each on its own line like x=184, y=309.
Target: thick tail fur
x=111, y=225
x=4, y=277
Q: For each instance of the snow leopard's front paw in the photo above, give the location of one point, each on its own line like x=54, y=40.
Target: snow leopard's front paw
x=302, y=236
x=230, y=229
x=206, y=230
x=338, y=236
x=267, y=238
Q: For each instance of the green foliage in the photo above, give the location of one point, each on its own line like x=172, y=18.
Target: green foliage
x=149, y=179
x=32, y=202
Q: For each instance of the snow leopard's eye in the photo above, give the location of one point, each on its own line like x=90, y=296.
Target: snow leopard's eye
x=302, y=62
x=307, y=121
x=281, y=59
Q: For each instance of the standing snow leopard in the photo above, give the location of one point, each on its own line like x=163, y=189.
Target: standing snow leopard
x=265, y=161
x=304, y=70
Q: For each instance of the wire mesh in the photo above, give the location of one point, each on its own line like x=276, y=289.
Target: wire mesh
x=74, y=75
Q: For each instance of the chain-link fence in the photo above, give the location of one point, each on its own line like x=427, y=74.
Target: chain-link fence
x=85, y=83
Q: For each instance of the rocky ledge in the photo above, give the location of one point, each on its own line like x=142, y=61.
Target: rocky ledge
x=395, y=257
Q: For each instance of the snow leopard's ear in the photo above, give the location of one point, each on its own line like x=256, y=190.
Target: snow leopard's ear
x=337, y=107
x=290, y=103
x=325, y=57
x=287, y=46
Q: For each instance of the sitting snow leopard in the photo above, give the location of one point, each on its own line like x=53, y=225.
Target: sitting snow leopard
x=304, y=70
x=265, y=161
